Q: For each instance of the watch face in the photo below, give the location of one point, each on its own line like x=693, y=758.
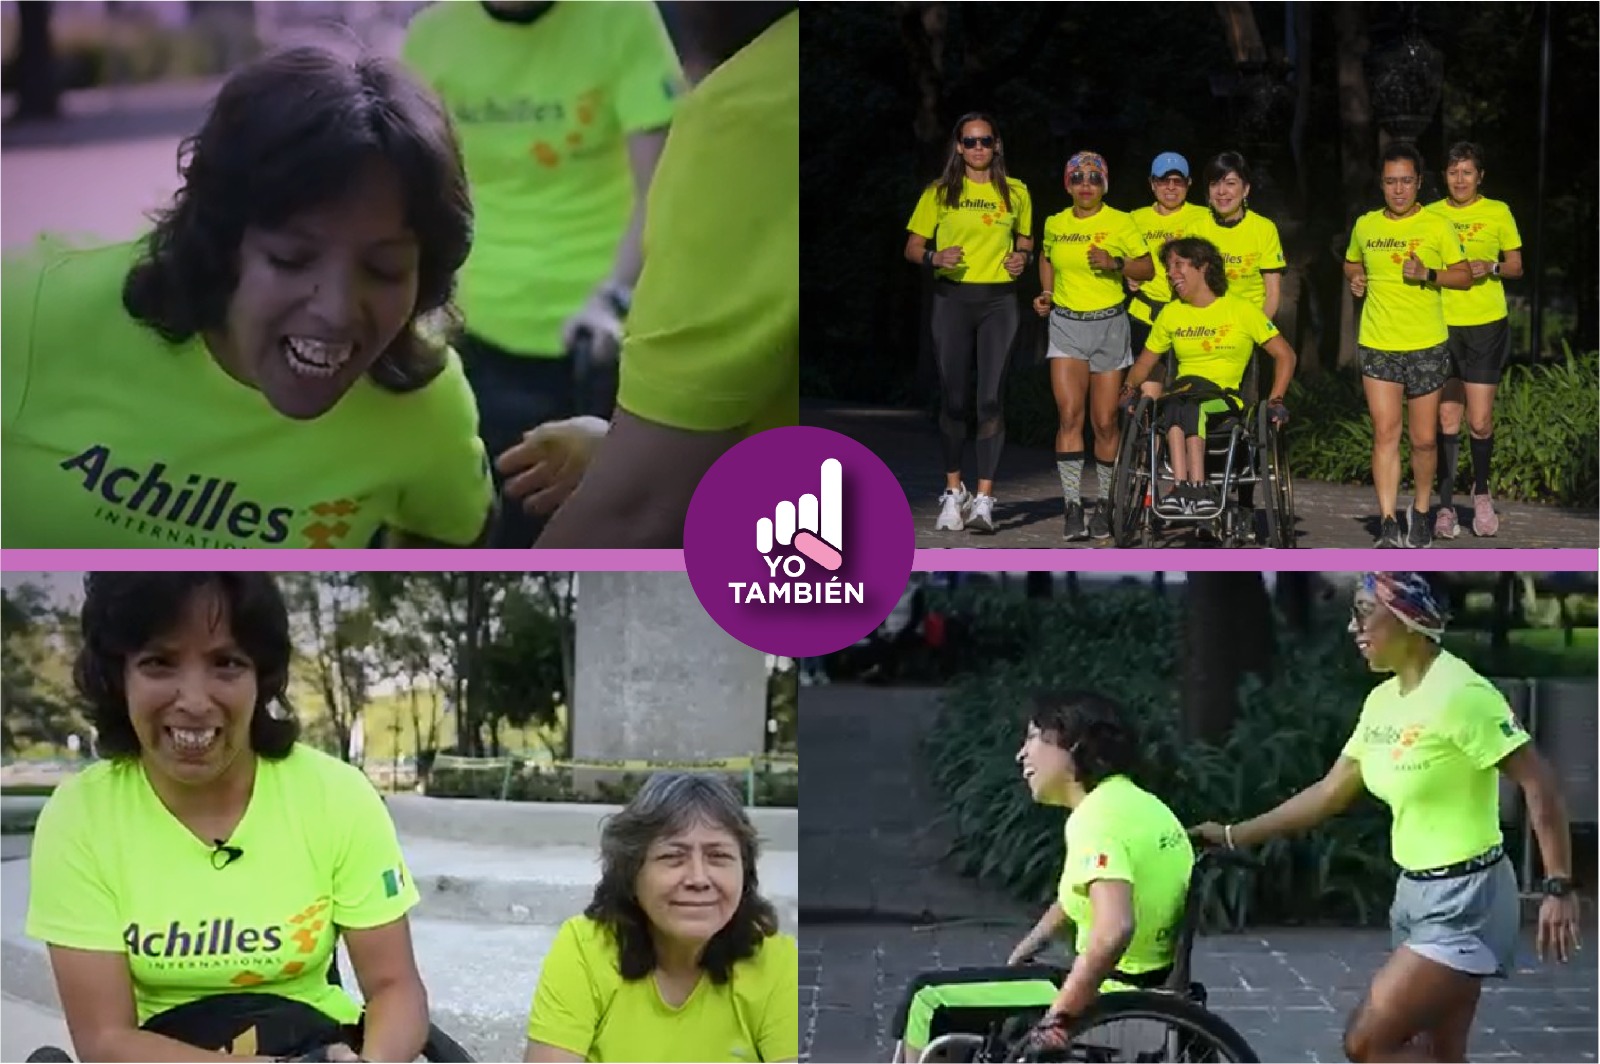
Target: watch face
x=1556, y=887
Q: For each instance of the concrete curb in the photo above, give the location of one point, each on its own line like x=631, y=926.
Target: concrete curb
x=530, y=824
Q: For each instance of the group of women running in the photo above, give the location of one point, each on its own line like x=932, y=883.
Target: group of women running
x=1177, y=290
x=1431, y=742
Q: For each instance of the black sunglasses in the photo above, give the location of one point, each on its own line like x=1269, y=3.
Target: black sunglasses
x=977, y=142
x=1094, y=177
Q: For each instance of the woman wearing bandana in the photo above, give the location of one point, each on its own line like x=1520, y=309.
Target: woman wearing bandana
x=1088, y=249
x=1431, y=743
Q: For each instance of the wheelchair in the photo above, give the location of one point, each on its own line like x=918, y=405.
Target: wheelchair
x=438, y=1047
x=1164, y=1022
x=1242, y=446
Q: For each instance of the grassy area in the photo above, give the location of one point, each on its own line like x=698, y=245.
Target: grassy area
x=390, y=732
x=1534, y=652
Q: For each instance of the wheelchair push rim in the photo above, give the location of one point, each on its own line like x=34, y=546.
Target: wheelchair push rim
x=1200, y=1034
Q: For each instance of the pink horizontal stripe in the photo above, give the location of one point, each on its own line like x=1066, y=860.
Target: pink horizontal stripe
x=441, y=560
x=1044, y=559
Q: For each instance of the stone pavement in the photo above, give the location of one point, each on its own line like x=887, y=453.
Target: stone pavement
x=1029, y=512
x=879, y=906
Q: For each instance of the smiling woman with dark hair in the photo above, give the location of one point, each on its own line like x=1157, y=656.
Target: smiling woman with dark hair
x=265, y=367
x=193, y=887
x=678, y=956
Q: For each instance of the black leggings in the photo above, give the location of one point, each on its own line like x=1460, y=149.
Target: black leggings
x=973, y=323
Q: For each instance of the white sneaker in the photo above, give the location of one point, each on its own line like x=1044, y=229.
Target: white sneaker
x=953, y=509
x=980, y=518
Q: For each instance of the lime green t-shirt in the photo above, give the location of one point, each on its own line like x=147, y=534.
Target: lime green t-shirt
x=115, y=438
x=583, y=1005
x=1249, y=247
x=1122, y=831
x=1213, y=342
x=980, y=224
x=544, y=111
x=1156, y=229
x=1067, y=240
x=113, y=870
x=713, y=340
x=1485, y=229
x=1399, y=315
x=1431, y=756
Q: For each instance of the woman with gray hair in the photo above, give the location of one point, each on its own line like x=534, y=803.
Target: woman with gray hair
x=677, y=957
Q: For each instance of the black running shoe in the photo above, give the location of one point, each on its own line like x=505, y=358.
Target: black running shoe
x=1074, y=529
x=1100, y=521
x=1420, y=533
x=1389, y=534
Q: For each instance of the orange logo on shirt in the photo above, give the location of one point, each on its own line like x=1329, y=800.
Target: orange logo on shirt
x=330, y=527
x=1405, y=740
x=545, y=155
x=988, y=219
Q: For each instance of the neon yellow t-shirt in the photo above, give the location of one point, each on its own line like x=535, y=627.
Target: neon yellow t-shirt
x=544, y=111
x=1156, y=229
x=1122, y=831
x=583, y=1005
x=1399, y=315
x=714, y=337
x=1431, y=757
x=1213, y=342
x=112, y=870
x=115, y=438
x=1067, y=240
x=1250, y=247
x=981, y=225
x=1485, y=229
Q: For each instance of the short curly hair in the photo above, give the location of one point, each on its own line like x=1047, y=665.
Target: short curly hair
x=1202, y=254
x=667, y=804
x=287, y=133
x=1093, y=728
x=123, y=612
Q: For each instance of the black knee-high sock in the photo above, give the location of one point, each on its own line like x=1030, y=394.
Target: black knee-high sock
x=1481, y=452
x=1449, y=455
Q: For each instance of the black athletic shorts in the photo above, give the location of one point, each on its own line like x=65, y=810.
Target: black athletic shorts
x=1421, y=372
x=1478, y=353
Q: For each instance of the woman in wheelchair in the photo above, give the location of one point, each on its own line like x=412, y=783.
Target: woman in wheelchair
x=1123, y=886
x=192, y=886
x=1213, y=335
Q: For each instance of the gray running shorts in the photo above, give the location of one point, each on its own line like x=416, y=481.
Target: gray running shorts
x=1468, y=922
x=1103, y=343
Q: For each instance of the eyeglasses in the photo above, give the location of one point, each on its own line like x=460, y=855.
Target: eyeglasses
x=1078, y=177
x=1361, y=615
x=1399, y=182
x=977, y=142
x=1171, y=179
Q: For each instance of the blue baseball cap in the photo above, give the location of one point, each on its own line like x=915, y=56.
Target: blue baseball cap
x=1167, y=162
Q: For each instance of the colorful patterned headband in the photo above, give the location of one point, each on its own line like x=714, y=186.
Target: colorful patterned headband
x=1410, y=598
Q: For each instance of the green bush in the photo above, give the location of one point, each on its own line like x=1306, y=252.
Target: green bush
x=1289, y=731
x=1547, y=429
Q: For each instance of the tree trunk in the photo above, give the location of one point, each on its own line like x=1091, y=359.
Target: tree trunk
x=38, y=88
x=1229, y=635
x=1296, y=594
x=1040, y=585
x=1505, y=590
x=1356, y=149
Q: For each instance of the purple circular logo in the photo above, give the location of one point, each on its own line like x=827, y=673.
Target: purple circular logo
x=799, y=542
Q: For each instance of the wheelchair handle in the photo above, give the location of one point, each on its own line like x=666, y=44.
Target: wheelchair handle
x=1222, y=856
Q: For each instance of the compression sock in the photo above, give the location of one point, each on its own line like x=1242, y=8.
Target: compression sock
x=1449, y=455
x=1069, y=467
x=1103, y=472
x=1481, y=452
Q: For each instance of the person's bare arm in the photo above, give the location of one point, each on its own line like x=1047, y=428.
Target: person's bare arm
x=1355, y=274
x=1040, y=935
x=1511, y=268
x=1328, y=797
x=1457, y=275
x=1140, y=371
x=1283, y=363
x=540, y=1053
x=1110, y=931
x=1140, y=269
x=1273, y=283
x=644, y=151
x=636, y=492
x=1547, y=812
x=97, y=997
x=396, y=1025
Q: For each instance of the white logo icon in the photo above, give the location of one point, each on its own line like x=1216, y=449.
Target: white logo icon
x=813, y=527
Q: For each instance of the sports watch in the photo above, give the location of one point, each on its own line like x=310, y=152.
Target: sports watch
x=620, y=298
x=1556, y=886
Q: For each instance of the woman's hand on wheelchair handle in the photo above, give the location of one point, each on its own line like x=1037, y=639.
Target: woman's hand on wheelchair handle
x=1277, y=413
x=1210, y=832
x=1128, y=401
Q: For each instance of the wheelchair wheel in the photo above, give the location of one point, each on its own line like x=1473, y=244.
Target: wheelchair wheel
x=1145, y=1026
x=50, y=1055
x=442, y=1047
x=1279, y=482
x=1133, y=481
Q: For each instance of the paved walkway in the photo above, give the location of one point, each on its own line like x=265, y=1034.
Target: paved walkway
x=878, y=907
x=1029, y=511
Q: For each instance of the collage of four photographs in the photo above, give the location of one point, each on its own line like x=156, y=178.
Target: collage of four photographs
x=527, y=278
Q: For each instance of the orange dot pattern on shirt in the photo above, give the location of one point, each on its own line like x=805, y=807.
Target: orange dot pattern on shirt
x=588, y=107
x=330, y=529
x=1412, y=244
